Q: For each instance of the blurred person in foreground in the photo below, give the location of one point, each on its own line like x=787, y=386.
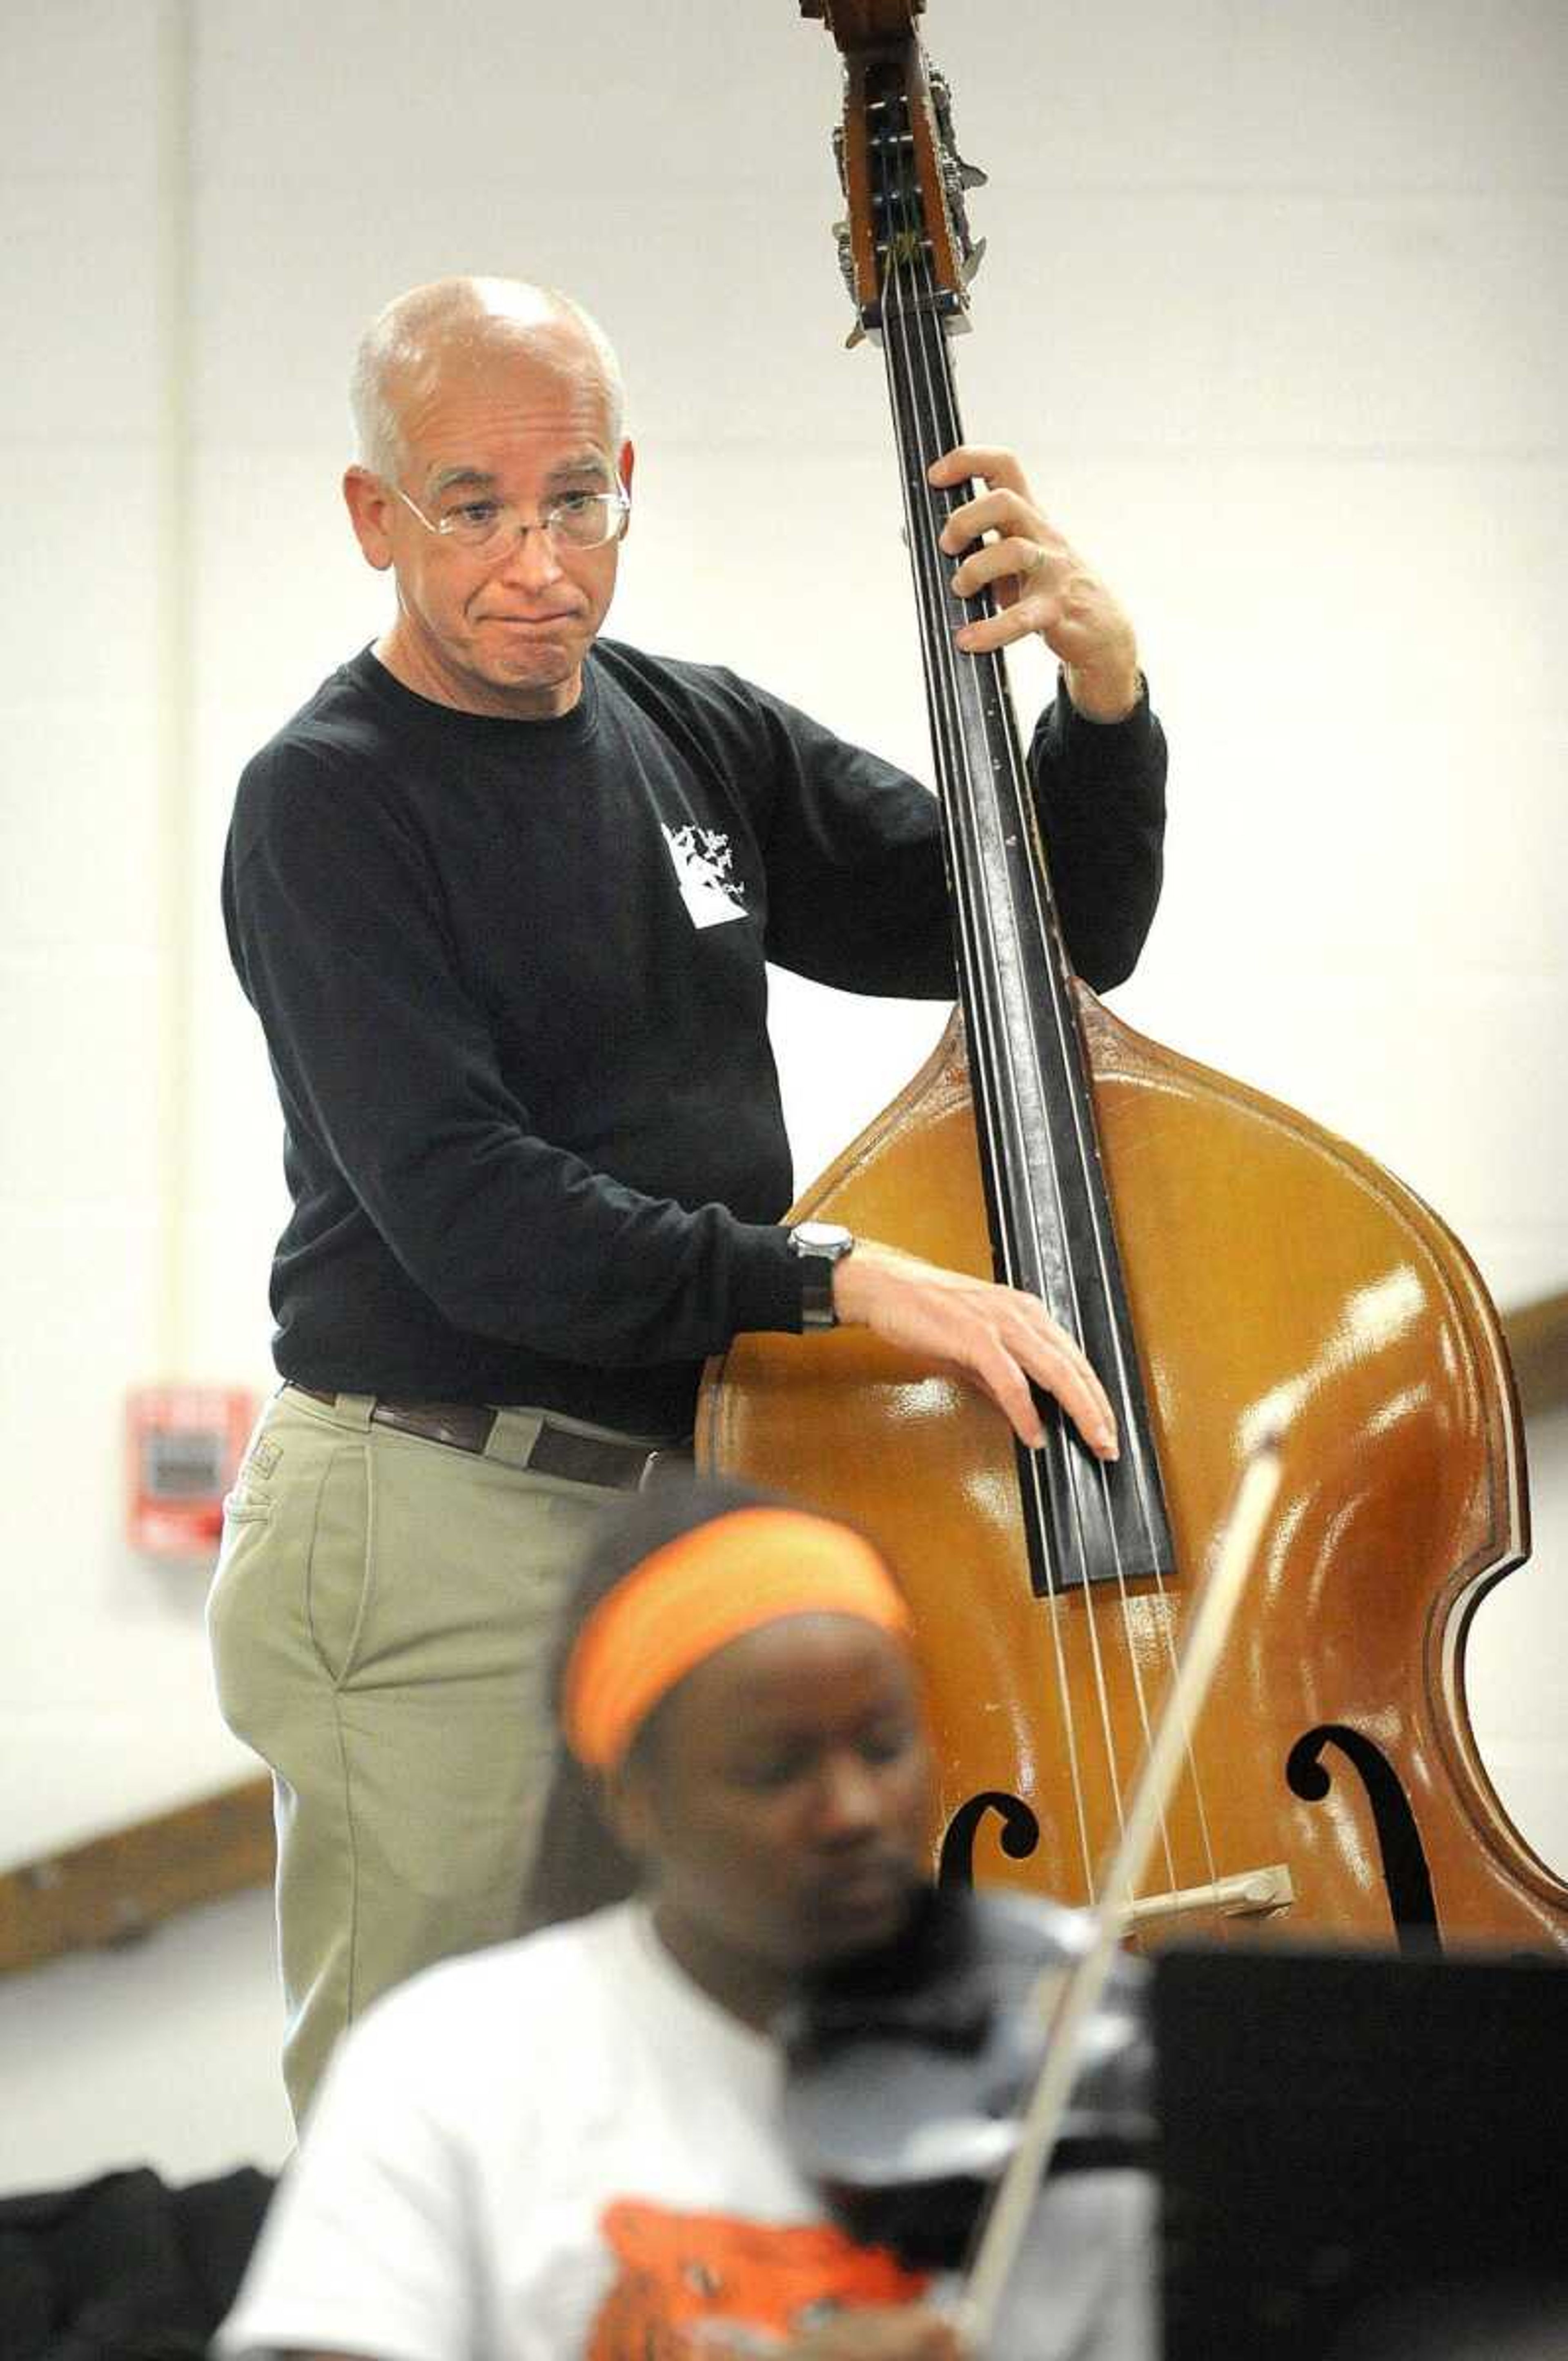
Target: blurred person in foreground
x=570, y=2145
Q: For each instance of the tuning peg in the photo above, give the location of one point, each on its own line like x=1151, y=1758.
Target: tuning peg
x=847, y=260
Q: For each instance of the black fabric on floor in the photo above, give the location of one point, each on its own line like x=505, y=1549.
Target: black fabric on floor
x=124, y=2267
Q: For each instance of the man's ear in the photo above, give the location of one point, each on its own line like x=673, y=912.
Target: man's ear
x=369, y=502
x=624, y=467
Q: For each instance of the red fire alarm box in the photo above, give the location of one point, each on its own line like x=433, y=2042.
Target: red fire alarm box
x=184, y=1444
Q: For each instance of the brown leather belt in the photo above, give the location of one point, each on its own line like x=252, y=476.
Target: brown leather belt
x=603, y=1459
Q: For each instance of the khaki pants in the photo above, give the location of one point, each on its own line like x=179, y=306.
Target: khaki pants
x=382, y=1621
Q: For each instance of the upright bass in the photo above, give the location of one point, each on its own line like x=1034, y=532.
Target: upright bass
x=1231, y=1269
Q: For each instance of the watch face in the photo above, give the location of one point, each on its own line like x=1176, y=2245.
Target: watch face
x=821, y=1238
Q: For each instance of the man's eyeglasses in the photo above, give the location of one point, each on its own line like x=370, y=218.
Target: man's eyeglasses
x=571, y=521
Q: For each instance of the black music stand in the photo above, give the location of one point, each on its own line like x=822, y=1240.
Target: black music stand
x=1350, y=2138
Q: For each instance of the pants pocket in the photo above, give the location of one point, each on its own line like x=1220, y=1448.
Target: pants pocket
x=338, y=1571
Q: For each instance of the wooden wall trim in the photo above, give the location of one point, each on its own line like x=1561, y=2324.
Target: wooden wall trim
x=116, y=1887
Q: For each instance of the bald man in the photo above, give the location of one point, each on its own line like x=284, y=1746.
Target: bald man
x=502, y=893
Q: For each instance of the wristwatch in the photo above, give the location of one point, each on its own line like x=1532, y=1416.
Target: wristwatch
x=819, y=1245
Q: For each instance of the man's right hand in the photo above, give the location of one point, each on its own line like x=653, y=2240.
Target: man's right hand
x=998, y=1338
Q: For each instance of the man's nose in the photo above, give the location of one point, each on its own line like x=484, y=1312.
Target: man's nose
x=532, y=558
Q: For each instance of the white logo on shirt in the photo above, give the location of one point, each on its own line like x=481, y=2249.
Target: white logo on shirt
x=703, y=862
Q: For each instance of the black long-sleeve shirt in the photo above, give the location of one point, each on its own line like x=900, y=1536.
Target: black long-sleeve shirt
x=512, y=979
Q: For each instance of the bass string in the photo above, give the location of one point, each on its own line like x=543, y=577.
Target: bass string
x=909, y=303
x=924, y=513
x=913, y=311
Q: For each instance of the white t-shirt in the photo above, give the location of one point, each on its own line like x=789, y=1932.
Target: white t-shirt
x=561, y=2149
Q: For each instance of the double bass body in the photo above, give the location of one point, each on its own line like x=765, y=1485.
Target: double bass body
x=1279, y=1280
x=1246, y=1273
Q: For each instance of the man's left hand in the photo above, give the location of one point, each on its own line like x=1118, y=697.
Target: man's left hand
x=1039, y=583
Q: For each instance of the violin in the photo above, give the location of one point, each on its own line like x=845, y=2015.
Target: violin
x=909, y=2070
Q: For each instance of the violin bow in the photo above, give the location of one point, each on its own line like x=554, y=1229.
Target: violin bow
x=1071, y=1999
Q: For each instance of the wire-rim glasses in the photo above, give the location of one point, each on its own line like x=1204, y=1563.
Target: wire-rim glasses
x=487, y=526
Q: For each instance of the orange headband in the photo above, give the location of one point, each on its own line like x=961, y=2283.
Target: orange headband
x=697, y=1593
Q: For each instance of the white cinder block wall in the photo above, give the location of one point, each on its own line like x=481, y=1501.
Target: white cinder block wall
x=1274, y=307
